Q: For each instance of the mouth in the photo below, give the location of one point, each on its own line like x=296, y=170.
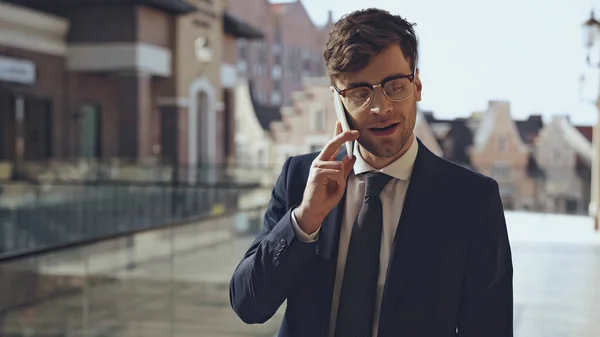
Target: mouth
x=384, y=130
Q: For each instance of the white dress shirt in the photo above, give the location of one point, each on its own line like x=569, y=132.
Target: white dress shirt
x=392, y=200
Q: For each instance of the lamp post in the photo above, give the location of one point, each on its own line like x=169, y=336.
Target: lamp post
x=591, y=30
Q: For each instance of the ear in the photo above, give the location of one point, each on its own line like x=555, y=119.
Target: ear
x=418, y=86
x=331, y=88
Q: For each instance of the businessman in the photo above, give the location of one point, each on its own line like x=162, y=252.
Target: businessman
x=393, y=241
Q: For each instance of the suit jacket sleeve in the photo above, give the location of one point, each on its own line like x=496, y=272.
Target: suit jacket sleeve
x=270, y=267
x=487, y=299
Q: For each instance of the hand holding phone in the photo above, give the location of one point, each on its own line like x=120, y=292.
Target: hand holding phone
x=341, y=116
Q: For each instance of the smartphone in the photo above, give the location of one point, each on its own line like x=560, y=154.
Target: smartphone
x=341, y=116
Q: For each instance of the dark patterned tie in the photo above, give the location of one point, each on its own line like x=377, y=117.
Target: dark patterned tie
x=359, y=286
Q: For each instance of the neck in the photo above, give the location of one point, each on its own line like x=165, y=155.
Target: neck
x=380, y=162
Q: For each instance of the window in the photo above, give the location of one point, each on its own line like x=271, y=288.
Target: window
x=89, y=130
x=318, y=120
x=240, y=154
x=276, y=72
x=276, y=48
x=262, y=158
x=501, y=172
x=275, y=97
x=242, y=49
x=556, y=155
x=501, y=143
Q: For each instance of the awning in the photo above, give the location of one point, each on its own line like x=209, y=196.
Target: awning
x=174, y=7
x=240, y=29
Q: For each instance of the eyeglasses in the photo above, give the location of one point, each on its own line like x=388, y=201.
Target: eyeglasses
x=395, y=88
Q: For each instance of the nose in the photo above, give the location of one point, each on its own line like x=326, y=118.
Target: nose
x=381, y=105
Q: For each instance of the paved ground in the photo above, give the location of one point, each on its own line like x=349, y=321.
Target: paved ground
x=557, y=290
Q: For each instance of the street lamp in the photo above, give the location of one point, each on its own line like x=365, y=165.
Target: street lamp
x=591, y=31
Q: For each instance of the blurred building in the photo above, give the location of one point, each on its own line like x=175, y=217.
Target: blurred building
x=118, y=58
x=33, y=109
x=254, y=139
x=292, y=48
x=564, y=151
x=131, y=81
x=424, y=132
x=197, y=118
x=455, y=137
x=500, y=151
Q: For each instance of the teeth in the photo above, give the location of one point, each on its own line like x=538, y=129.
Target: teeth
x=383, y=127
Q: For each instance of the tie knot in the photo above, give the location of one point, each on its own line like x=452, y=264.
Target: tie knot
x=375, y=182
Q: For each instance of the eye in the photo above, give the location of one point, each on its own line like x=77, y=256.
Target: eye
x=359, y=93
x=396, y=86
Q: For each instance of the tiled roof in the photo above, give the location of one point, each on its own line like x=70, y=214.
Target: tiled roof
x=530, y=128
x=586, y=131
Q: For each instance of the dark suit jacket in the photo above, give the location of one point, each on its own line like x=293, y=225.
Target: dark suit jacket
x=450, y=271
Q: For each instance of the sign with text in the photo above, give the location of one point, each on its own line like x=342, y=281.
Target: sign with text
x=17, y=70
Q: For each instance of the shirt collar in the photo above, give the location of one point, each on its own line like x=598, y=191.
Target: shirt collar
x=401, y=168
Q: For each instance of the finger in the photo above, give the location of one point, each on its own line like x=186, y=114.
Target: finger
x=334, y=145
x=322, y=176
x=337, y=129
x=348, y=164
x=336, y=165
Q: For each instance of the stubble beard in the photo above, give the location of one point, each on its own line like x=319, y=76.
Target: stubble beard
x=391, y=148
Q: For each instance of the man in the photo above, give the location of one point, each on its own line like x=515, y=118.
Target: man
x=394, y=241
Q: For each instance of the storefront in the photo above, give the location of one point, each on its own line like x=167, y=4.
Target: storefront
x=32, y=66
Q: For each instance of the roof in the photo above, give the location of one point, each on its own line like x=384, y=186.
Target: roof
x=485, y=129
x=530, y=128
x=488, y=124
x=462, y=139
x=266, y=114
x=239, y=28
x=575, y=139
x=586, y=131
x=169, y=6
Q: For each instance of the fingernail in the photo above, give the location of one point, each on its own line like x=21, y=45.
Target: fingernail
x=354, y=132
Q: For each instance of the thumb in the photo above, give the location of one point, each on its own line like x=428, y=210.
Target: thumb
x=348, y=164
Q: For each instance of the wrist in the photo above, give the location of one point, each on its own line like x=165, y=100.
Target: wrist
x=308, y=221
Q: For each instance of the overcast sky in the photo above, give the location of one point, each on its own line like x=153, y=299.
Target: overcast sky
x=529, y=52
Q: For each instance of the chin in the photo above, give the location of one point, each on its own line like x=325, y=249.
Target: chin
x=387, y=149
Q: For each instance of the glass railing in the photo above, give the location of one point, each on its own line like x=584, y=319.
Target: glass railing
x=36, y=217
x=171, y=281
x=125, y=170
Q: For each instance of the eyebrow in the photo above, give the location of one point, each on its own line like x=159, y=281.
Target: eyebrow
x=363, y=84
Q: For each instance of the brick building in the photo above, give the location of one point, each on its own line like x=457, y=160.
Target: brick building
x=102, y=81
x=93, y=97
x=292, y=48
x=32, y=75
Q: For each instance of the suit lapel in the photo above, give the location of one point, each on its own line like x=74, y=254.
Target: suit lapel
x=418, y=216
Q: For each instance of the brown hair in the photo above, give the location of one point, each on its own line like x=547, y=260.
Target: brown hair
x=362, y=34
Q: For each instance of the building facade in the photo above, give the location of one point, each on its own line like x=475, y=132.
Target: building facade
x=33, y=107
x=139, y=82
x=499, y=151
x=101, y=86
x=292, y=48
x=565, y=154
